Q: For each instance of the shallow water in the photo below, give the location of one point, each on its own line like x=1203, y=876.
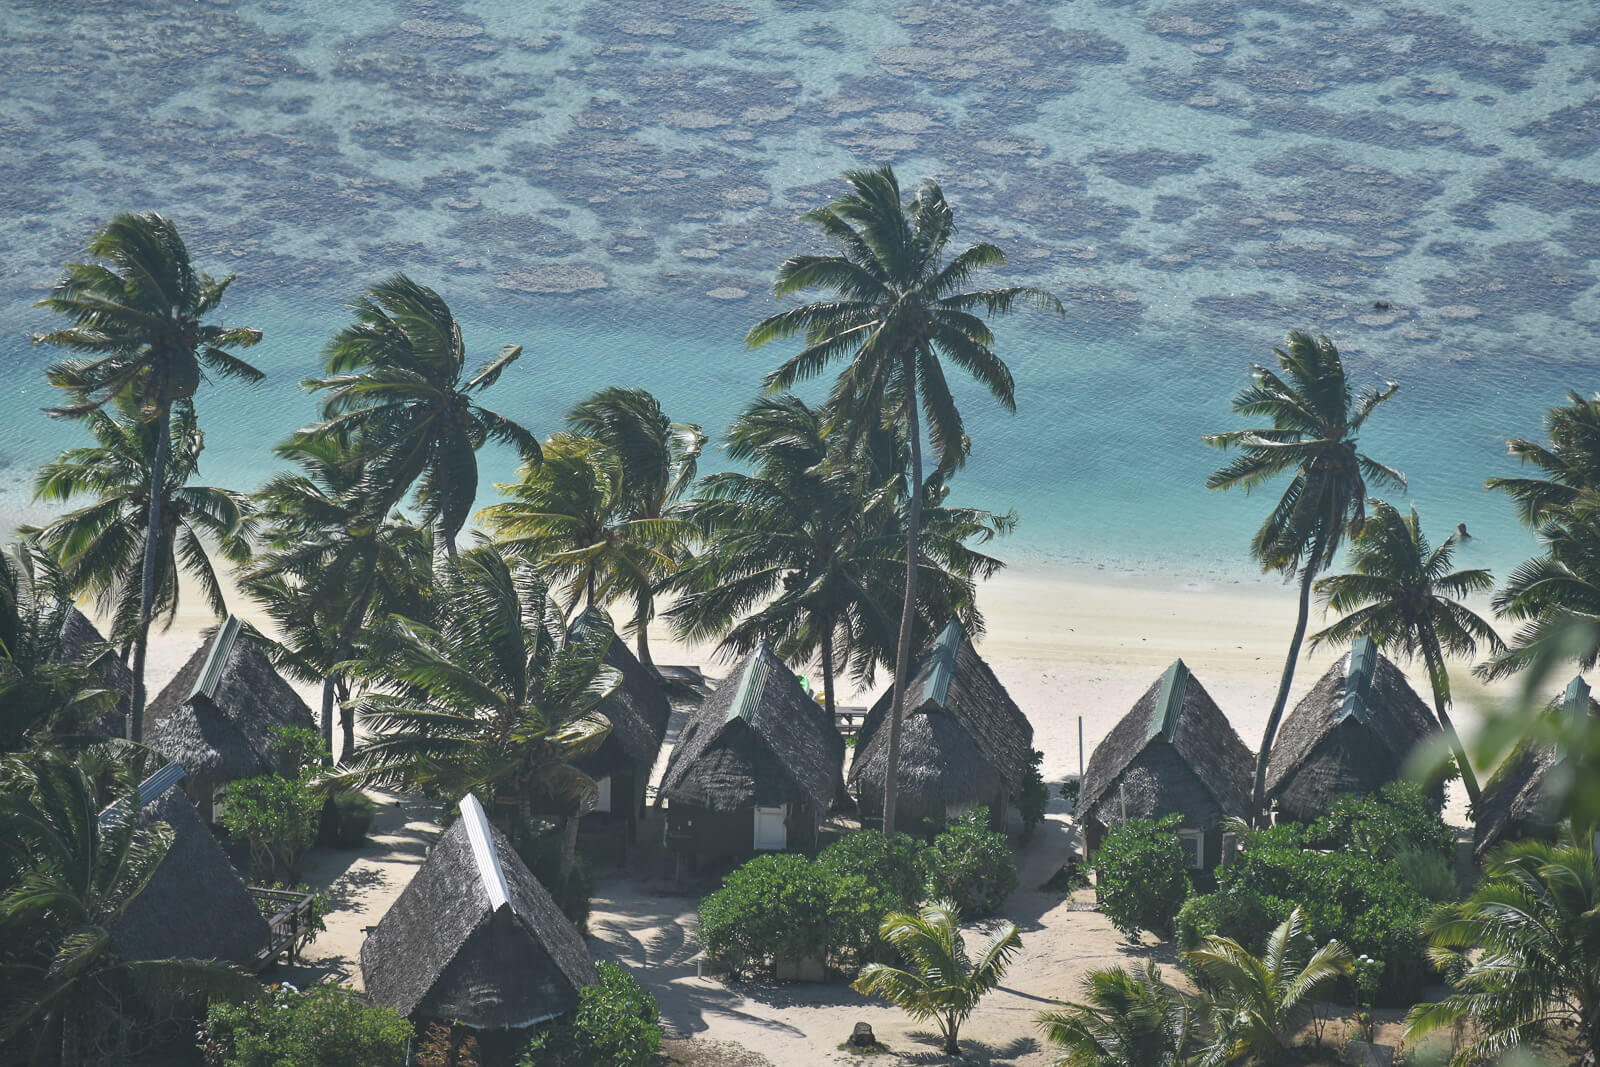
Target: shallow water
x=612, y=184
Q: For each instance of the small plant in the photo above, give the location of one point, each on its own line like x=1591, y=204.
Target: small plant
x=1070, y=790
x=326, y=1026
x=970, y=865
x=1125, y=1018
x=617, y=1024
x=773, y=908
x=1142, y=875
x=1034, y=797
x=1368, y=976
x=300, y=749
x=276, y=817
x=890, y=861
x=350, y=815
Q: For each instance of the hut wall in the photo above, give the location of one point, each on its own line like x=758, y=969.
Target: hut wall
x=710, y=837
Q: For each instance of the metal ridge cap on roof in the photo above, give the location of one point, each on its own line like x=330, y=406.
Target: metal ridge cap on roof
x=152, y=788
x=942, y=663
x=490, y=873
x=1169, y=702
x=1360, y=665
x=216, y=659
x=1575, y=698
x=747, y=698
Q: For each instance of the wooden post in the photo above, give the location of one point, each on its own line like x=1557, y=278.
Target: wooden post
x=1080, y=750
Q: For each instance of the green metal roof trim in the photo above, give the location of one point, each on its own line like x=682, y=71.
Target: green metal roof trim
x=1576, y=698
x=216, y=659
x=942, y=665
x=1358, y=680
x=1169, y=703
x=751, y=686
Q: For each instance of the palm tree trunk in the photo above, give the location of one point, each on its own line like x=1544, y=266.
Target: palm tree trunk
x=569, y=850
x=71, y=1036
x=952, y=1029
x=328, y=685
x=827, y=674
x=346, y=645
x=147, y=592
x=643, y=643
x=908, y=611
x=1258, y=802
x=1441, y=690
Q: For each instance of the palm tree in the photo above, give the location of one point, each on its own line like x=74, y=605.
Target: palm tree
x=393, y=379
x=803, y=552
x=1260, y=1002
x=1314, y=430
x=494, y=700
x=1527, y=946
x=1126, y=1019
x=659, y=460
x=1570, y=463
x=138, y=318
x=945, y=984
x=331, y=567
x=1403, y=595
x=78, y=875
x=896, y=310
x=568, y=517
x=103, y=546
x=42, y=697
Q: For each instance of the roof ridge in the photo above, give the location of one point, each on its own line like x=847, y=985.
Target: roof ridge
x=1169, y=702
x=487, y=857
x=942, y=662
x=1360, y=667
x=151, y=789
x=222, y=643
x=747, y=698
x=1575, y=698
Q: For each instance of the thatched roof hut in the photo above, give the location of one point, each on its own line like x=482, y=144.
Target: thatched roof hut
x=757, y=741
x=217, y=716
x=1352, y=733
x=1174, y=753
x=195, y=906
x=78, y=638
x=638, y=711
x=1520, y=798
x=475, y=938
x=963, y=740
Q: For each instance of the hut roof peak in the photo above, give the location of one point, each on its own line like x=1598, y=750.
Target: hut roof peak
x=748, y=697
x=1169, y=702
x=484, y=854
x=1360, y=665
x=216, y=659
x=151, y=789
x=1576, y=697
x=942, y=662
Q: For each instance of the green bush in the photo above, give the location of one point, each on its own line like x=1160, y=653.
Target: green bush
x=1195, y=921
x=1429, y=874
x=773, y=908
x=326, y=1026
x=543, y=856
x=1141, y=875
x=1382, y=825
x=890, y=861
x=971, y=865
x=350, y=816
x=1034, y=797
x=616, y=1025
x=276, y=817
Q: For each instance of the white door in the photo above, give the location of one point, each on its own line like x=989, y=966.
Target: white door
x=771, y=834
x=603, y=801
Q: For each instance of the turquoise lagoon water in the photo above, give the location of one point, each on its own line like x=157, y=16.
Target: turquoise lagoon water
x=611, y=184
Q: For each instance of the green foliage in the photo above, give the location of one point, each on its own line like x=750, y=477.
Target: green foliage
x=315, y=919
x=970, y=865
x=299, y=748
x=772, y=909
x=1125, y=1019
x=1070, y=790
x=350, y=815
x=1141, y=874
x=1033, y=798
x=891, y=861
x=1428, y=874
x=617, y=1024
x=1195, y=921
x=447, y=1046
x=326, y=1026
x=1398, y=818
x=275, y=816
x=573, y=895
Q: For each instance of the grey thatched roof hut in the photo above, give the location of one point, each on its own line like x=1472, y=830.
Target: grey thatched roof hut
x=195, y=906
x=963, y=740
x=758, y=740
x=1173, y=753
x=1521, y=798
x=217, y=716
x=638, y=711
x=1352, y=733
x=475, y=938
x=78, y=639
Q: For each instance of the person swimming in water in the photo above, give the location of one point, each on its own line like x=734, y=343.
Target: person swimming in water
x=1461, y=532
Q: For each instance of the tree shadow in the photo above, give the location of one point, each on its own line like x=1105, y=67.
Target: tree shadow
x=972, y=1051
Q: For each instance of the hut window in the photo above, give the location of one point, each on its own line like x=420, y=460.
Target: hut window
x=1194, y=846
x=1230, y=846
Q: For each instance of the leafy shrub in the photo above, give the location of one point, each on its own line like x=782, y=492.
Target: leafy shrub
x=1141, y=873
x=1070, y=790
x=349, y=817
x=971, y=865
x=616, y=1025
x=326, y=1026
x=772, y=908
x=1398, y=817
x=1195, y=921
x=543, y=856
x=890, y=861
x=299, y=747
x=1428, y=873
x=276, y=817
x=1034, y=797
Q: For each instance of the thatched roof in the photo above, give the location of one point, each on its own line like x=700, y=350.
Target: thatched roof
x=195, y=906
x=1174, y=752
x=475, y=938
x=757, y=740
x=1518, y=794
x=78, y=639
x=217, y=716
x=1351, y=734
x=961, y=736
x=638, y=711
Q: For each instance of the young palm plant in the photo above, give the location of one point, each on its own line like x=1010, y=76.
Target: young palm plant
x=1526, y=944
x=1403, y=594
x=896, y=309
x=1126, y=1018
x=1258, y=1003
x=1315, y=422
x=943, y=983
x=138, y=321
x=78, y=875
x=395, y=395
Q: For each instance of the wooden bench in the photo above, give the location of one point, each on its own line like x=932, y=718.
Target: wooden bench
x=289, y=926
